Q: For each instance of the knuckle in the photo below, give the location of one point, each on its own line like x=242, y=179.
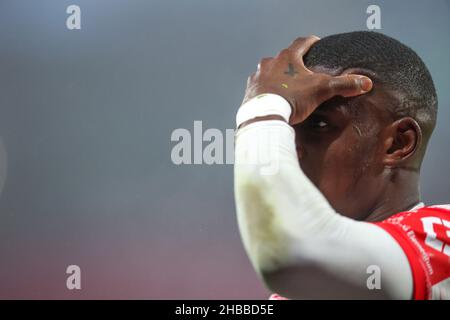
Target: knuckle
x=250, y=78
x=264, y=61
x=350, y=83
x=284, y=53
x=332, y=84
x=336, y=84
x=342, y=85
x=312, y=37
x=298, y=40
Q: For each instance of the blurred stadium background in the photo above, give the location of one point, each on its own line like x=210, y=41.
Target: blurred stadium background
x=85, y=123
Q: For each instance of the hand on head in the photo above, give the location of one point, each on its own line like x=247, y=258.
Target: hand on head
x=287, y=76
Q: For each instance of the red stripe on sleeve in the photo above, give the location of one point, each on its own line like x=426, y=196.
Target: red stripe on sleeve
x=420, y=288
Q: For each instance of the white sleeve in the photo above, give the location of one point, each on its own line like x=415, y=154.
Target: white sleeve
x=284, y=219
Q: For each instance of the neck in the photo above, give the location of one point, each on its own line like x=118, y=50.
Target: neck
x=401, y=193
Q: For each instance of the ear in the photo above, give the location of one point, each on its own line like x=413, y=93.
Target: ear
x=402, y=142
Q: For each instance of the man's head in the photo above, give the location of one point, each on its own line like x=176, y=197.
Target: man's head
x=359, y=150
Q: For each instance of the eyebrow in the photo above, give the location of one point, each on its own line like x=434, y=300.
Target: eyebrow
x=336, y=104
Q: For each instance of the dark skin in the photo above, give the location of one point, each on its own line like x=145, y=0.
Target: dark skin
x=350, y=145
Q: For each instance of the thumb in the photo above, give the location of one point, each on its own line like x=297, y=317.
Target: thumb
x=349, y=85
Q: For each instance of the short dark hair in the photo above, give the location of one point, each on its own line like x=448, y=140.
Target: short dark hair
x=395, y=65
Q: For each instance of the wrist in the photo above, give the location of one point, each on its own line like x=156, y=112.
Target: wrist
x=262, y=118
x=266, y=106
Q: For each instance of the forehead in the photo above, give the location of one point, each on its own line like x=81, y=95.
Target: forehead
x=379, y=100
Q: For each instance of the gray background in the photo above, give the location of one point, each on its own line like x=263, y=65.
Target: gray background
x=86, y=118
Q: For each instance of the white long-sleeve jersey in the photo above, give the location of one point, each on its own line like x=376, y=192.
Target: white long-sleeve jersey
x=284, y=220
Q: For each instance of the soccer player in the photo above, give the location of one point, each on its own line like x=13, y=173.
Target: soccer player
x=330, y=140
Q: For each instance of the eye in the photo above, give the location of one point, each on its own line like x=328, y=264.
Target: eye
x=319, y=123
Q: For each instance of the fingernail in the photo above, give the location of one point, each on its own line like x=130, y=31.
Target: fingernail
x=365, y=84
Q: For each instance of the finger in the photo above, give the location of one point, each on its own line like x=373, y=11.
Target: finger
x=300, y=46
x=348, y=86
x=263, y=62
x=283, y=54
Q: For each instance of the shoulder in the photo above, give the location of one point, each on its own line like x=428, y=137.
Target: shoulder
x=441, y=211
x=428, y=226
x=424, y=235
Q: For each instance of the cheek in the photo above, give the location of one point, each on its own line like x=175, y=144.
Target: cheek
x=339, y=164
x=337, y=167
x=352, y=173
